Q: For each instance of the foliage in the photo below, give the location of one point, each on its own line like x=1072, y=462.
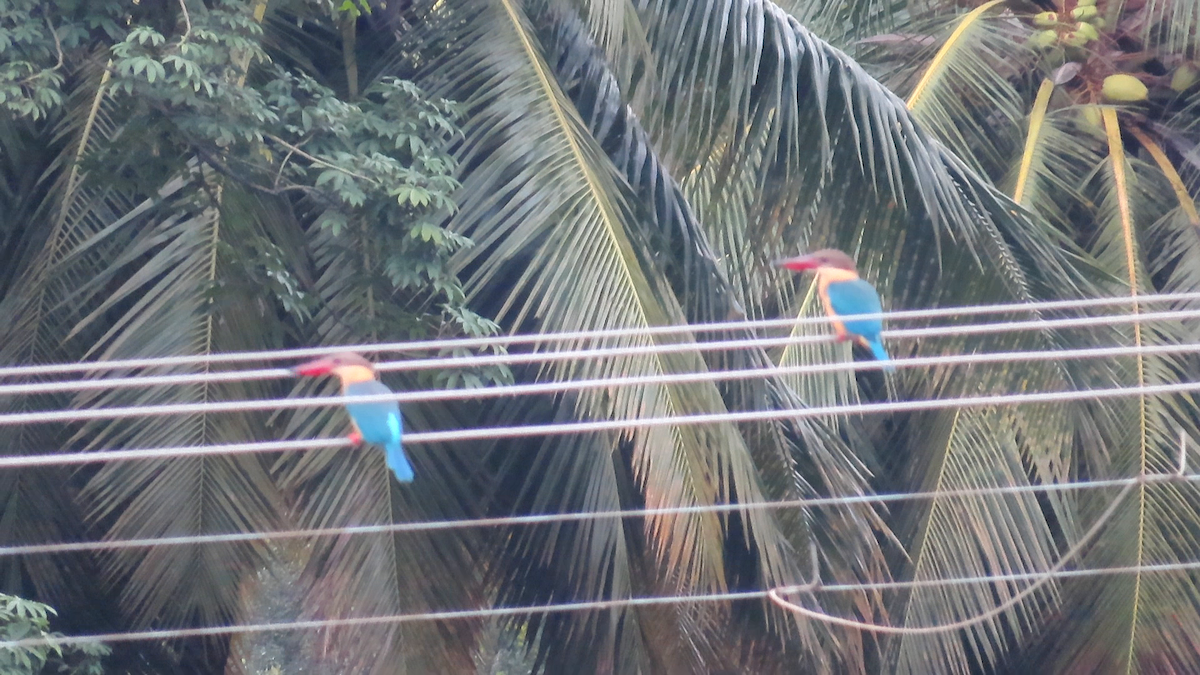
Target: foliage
x=218, y=176
x=1085, y=113
x=194, y=193
x=23, y=619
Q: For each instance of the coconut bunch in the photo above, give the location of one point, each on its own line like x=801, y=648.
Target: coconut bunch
x=1079, y=33
x=1074, y=28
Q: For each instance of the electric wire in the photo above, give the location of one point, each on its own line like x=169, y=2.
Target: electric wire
x=729, y=345
x=565, y=428
x=558, y=387
x=570, y=336
x=565, y=607
x=582, y=516
x=774, y=595
x=482, y=392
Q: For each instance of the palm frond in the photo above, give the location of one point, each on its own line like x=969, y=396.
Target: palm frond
x=964, y=95
x=968, y=449
x=161, y=302
x=40, y=273
x=1126, y=625
x=617, y=30
x=879, y=149
x=577, y=257
x=700, y=276
x=910, y=266
x=1173, y=25
x=844, y=24
x=1066, y=151
x=359, y=575
x=583, y=473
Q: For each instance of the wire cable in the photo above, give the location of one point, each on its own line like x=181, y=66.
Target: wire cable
x=483, y=392
x=776, y=594
x=729, y=345
x=541, y=338
x=565, y=428
x=558, y=608
x=550, y=518
x=558, y=387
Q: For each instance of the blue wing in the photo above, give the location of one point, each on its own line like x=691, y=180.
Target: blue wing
x=847, y=298
x=381, y=424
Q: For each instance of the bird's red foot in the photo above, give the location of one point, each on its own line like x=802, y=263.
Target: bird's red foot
x=843, y=337
x=355, y=438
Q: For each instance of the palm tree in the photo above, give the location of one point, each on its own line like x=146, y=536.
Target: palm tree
x=619, y=165
x=1083, y=112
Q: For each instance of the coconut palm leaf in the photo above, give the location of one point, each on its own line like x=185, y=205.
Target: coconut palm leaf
x=162, y=295
x=1128, y=629
x=581, y=473
x=39, y=504
x=1019, y=252
x=360, y=575
x=1025, y=262
x=962, y=91
x=702, y=277
x=608, y=274
x=1006, y=535
x=877, y=147
x=1172, y=25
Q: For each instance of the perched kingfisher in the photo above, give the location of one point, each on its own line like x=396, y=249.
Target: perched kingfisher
x=377, y=423
x=844, y=294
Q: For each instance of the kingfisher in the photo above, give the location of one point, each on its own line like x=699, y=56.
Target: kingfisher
x=378, y=422
x=844, y=295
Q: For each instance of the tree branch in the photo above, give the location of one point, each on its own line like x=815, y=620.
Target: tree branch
x=57, y=43
x=187, y=20
x=318, y=161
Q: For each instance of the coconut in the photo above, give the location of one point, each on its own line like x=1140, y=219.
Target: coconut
x=1088, y=31
x=1184, y=77
x=1045, y=19
x=1043, y=38
x=1124, y=88
x=1083, y=13
x=1075, y=39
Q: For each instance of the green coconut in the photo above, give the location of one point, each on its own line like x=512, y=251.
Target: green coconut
x=1124, y=88
x=1045, y=19
x=1043, y=38
x=1088, y=31
x=1083, y=13
x=1184, y=77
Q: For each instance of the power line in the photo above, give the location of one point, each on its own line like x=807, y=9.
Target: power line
x=773, y=594
x=473, y=343
x=565, y=428
x=424, y=364
x=540, y=388
x=729, y=345
x=558, y=608
x=776, y=594
x=602, y=425
x=546, y=518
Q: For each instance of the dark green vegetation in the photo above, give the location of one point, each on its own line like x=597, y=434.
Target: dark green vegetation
x=186, y=183
x=24, y=619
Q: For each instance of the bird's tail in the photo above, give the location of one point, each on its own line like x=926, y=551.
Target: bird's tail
x=880, y=353
x=393, y=454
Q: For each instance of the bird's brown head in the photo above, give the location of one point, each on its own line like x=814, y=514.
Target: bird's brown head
x=350, y=367
x=826, y=257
